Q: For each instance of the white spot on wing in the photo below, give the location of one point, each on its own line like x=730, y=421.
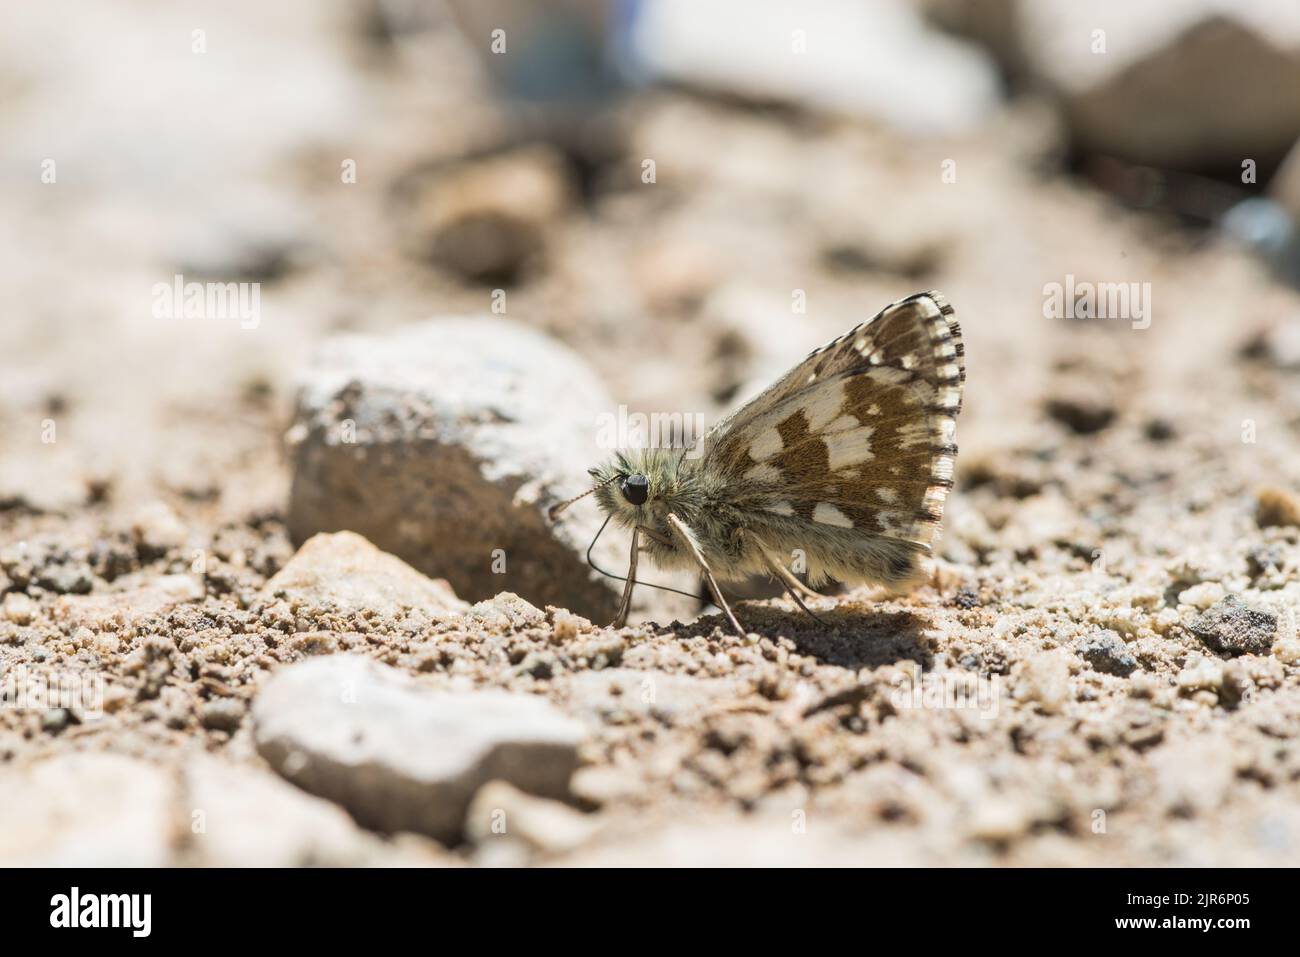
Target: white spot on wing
x=851, y=447
x=766, y=445
x=765, y=473
x=823, y=404
x=827, y=514
x=781, y=508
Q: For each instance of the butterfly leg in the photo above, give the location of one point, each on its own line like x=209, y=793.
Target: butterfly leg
x=693, y=548
x=788, y=577
x=625, y=603
x=792, y=585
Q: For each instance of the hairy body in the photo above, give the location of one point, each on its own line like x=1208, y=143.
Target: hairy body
x=841, y=468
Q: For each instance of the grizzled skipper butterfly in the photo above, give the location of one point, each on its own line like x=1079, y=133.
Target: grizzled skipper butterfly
x=847, y=458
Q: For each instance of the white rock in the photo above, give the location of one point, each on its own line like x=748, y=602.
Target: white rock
x=19, y=608
x=345, y=570
x=506, y=610
x=400, y=756
x=1044, y=678
x=502, y=812
x=157, y=527
x=1202, y=596
x=1164, y=83
x=244, y=817
x=85, y=810
x=445, y=443
x=875, y=59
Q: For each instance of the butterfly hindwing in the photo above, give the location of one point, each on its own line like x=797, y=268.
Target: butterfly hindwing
x=850, y=455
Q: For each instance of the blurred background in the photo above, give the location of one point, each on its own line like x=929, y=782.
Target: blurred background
x=651, y=182
x=689, y=196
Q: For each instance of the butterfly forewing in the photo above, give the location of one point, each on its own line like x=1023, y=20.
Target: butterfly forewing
x=854, y=447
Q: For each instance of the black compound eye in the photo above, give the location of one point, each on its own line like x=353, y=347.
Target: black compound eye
x=635, y=488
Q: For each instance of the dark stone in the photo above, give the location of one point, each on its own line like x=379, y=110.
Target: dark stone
x=1106, y=652
x=1231, y=627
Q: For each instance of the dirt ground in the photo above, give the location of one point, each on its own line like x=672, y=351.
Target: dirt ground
x=1114, y=483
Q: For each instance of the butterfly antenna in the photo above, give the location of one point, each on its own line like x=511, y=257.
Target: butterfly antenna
x=556, y=509
x=623, y=578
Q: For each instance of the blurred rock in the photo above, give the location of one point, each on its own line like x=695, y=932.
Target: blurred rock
x=1285, y=184
x=502, y=812
x=1044, y=679
x=238, y=816
x=597, y=785
x=222, y=714
x=1106, y=652
x=445, y=444
x=344, y=570
x=1201, y=674
x=1269, y=230
x=507, y=611
x=1193, y=776
x=1276, y=506
x=1278, y=344
x=876, y=59
x=1202, y=595
x=993, y=24
x=156, y=529
x=85, y=810
x=485, y=219
x=19, y=608
x=1231, y=627
x=1081, y=409
x=402, y=757
x=1136, y=79
x=253, y=235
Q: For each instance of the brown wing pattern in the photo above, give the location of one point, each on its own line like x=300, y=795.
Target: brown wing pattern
x=859, y=436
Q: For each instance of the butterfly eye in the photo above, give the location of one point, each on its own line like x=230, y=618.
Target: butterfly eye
x=635, y=488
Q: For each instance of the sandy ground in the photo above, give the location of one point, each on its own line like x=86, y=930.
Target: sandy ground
x=1109, y=481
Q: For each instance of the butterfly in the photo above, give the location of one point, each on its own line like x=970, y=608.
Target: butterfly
x=843, y=464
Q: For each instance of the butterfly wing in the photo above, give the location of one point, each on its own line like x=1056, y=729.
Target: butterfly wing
x=849, y=456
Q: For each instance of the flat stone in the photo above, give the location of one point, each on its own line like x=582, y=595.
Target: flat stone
x=399, y=755
x=346, y=571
